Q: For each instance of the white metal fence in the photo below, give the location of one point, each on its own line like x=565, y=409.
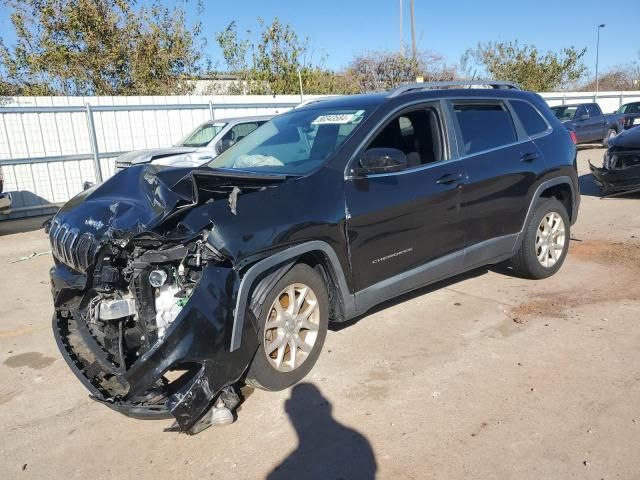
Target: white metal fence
x=49, y=146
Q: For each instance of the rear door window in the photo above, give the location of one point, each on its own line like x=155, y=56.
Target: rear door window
x=531, y=119
x=484, y=126
x=593, y=110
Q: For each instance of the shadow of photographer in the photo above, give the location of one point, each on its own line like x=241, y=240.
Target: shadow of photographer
x=326, y=449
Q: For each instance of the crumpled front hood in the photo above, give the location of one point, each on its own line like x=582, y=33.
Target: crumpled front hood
x=134, y=200
x=136, y=157
x=144, y=197
x=629, y=139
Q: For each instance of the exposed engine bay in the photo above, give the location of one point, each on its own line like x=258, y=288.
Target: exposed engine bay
x=139, y=291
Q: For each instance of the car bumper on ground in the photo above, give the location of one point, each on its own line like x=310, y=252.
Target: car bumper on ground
x=617, y=180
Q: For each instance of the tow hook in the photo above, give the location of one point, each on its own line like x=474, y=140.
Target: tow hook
x=220, y=413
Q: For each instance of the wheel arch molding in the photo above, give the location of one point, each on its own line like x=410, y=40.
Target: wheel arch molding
x=266, y=272
x=547, y=187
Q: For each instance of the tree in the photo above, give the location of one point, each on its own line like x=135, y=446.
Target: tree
x=525, y=65
x=376, y=71
x=621, y=77
x=98, y=47
x=616, y=79
x=269, y=63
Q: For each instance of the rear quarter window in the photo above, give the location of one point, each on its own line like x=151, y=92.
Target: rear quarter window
x=484, y=126
x=531, y=119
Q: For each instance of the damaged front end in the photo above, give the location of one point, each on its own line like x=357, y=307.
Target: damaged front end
x=620, y=172
x=144, y=307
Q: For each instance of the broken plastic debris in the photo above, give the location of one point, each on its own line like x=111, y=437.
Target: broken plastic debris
x=32, y=255
x=233, y=199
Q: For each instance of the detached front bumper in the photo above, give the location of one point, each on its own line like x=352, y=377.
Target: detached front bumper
x=5, y=203
x=196, y=344
x=616, y=180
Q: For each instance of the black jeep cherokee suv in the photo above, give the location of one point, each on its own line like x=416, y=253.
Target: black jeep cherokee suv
x=171, y=286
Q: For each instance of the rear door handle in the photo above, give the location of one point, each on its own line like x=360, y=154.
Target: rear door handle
x=529, y=157
x=449, y=178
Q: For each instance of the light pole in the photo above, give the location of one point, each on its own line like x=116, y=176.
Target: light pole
x=598, y=54
x=413, y=32
x=401, y=46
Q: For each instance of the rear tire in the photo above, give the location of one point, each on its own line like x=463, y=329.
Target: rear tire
x=293, y=326
x=545, y=241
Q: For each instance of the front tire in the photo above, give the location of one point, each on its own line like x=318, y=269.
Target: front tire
x=545, y=241
x=292, y=330
x=611, y=133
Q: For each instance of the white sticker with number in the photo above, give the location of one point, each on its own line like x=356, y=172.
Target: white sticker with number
x=339, y=118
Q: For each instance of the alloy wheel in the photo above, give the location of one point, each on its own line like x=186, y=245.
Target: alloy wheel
x=550, y=239
x=291, y=328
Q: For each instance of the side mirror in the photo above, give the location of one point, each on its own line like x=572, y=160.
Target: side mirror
x=225, y=145
x=382, y=160
x=584, y=116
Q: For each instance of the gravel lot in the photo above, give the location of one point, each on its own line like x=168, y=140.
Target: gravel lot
x=483, y=376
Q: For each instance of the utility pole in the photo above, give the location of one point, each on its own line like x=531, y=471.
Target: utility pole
x=598, y=55
x=401, y=46
x=413, y=32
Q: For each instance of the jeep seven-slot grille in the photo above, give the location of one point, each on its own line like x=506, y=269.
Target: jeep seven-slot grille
x=70, y=247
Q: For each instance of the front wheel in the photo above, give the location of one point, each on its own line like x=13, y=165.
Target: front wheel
x=545, y=241
x=292, y=330
x=611, y=133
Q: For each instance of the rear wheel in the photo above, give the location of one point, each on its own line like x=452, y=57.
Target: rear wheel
x=292, y=330
x=545, y=242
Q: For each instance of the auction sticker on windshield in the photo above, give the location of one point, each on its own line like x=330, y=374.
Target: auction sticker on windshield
x=339, y=118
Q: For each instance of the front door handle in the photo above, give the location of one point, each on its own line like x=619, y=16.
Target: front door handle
x=449, y=178
x=529, y=157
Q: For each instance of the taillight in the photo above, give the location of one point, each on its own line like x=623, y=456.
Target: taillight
x=574, y=139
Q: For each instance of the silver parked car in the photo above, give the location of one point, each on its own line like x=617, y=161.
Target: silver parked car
x=5, y=198
x=200, y=146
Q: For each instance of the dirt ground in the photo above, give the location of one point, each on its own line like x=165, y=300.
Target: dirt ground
x=483, y=376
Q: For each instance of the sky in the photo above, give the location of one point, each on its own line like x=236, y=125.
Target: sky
x=340, y=29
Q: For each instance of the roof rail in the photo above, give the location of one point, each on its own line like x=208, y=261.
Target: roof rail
x=409, y=87
x=314, y=100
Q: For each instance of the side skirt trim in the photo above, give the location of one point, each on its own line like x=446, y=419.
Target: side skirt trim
x=490, y=251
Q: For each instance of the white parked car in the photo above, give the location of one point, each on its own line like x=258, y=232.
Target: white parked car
x=200, y=146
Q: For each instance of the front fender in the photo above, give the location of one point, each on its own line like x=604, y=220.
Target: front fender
x=275, y=260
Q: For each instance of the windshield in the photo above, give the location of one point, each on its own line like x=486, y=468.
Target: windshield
x=564, y=113
x=629, y=108
x=295, y=143
x=202, y=136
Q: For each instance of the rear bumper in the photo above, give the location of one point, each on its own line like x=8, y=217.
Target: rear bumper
x=5, y=203
x=199, y=339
